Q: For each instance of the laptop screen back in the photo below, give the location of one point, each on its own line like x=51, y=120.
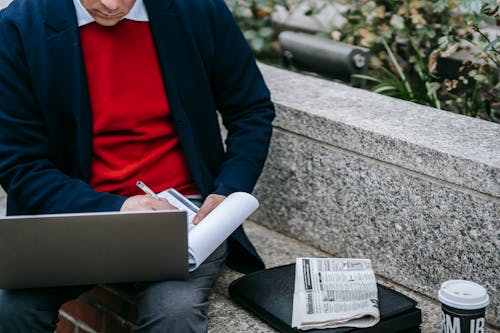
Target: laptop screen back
x=91, y=248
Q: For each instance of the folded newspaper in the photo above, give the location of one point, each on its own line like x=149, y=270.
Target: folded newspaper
x=334, y=292
x=207, y=235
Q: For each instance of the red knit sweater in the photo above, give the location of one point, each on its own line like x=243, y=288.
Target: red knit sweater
x=133, y=134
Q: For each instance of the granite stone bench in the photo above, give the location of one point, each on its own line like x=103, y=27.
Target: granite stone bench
x=357, y=174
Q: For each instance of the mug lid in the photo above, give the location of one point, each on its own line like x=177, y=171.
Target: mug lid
x=463, y=294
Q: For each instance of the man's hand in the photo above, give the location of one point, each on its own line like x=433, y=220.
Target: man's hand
x=145, y=202
x=212, y=201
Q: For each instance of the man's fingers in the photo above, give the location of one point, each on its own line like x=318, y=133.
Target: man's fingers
x=212, y=201
x=162, y=204
x=145, y=202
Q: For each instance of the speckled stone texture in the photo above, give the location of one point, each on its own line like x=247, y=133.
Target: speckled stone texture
x=454, y=148
x=363, y=175
x=278, y=249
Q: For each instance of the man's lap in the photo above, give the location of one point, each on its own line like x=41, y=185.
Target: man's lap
x=168, y=299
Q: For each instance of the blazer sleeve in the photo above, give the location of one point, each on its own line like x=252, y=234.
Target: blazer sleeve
x=244, y=102
x=32, y=181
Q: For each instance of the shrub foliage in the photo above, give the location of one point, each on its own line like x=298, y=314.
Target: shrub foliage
x=443, y=53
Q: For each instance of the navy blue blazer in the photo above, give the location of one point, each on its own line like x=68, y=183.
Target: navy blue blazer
x=45, y=116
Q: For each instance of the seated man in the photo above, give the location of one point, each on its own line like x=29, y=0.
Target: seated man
x=96, y=94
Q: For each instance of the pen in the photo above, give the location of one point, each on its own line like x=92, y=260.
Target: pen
x=146, y=189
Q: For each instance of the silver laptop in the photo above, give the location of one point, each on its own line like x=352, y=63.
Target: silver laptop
x=91, y=248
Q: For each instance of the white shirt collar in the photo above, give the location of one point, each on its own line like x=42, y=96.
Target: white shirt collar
x=137, y=13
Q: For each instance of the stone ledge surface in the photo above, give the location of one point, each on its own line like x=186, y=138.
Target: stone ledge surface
x=360, y=174
x=417, y=231
x=454, y=148
x=278, y=249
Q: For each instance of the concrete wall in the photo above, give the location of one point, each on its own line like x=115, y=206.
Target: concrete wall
x=358, y=174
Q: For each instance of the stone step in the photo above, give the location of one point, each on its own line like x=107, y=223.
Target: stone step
x=277, y=249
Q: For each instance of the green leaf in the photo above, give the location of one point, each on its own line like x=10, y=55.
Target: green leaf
x=494, y=44
x=393, y=60
x=397, y=22
x=440, y=6
x=397, y=85
x=266, y=32
x=389, y=74
x=240, y=11
x=257, y=44
x=384, y=88
x=443, y=42
x=250, y=34
x=473, y=5
x=451, y=49
x=432, y=87
x=479, y=19
x=367, y=77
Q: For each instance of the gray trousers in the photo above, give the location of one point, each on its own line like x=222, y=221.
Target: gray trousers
x=169, y=306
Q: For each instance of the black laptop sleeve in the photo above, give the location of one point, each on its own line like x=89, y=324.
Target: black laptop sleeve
x=269, y=295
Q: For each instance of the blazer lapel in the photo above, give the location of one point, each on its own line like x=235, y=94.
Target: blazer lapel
x=67, y=73
x=170, y=39
x=167, y=32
